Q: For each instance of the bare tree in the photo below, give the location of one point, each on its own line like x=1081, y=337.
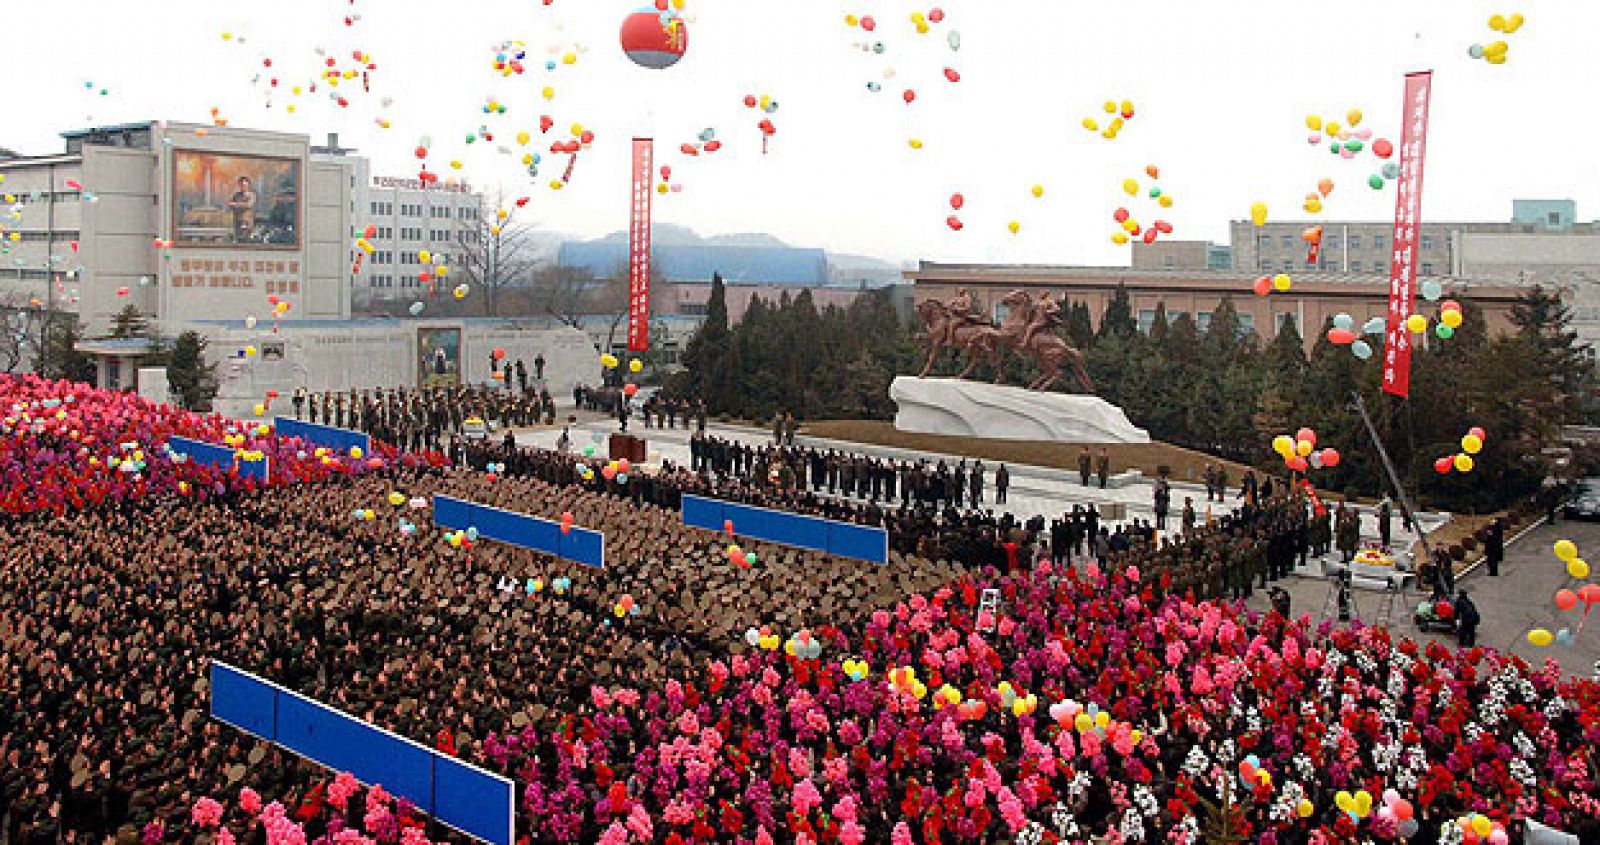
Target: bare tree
x=22, y=333
x=496, y=251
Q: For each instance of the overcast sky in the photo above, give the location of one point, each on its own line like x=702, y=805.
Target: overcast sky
x=1221, y=90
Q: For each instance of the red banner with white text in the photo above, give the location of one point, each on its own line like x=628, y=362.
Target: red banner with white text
x=639, y=247
x=1407, y=222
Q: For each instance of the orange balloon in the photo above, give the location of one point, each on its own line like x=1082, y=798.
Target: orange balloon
x=1153, y=172
x=1325, y=186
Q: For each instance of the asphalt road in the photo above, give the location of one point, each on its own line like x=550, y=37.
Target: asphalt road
x=1520, y=599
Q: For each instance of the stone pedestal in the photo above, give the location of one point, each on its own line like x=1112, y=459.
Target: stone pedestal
x=974, y=409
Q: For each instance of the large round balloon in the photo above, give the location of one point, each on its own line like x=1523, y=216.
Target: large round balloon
x=654, y=39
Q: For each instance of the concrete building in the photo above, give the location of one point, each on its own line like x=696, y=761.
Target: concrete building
x=1197, y=293
x=442, y=218
x=249, y=214
x=1181, y=255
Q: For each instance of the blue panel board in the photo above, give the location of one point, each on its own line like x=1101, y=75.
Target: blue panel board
x=339, y=439
x=699, y=512
x=858, y=541
x=473, y=801
x=583, y=546
x=221, y=457
x=542, y=535
x=346, y=744
x=747, y=521
x=243, y=701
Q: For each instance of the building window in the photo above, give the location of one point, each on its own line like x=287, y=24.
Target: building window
x=375, y=209
x=1001, y=312
x=1247, y=324
x=692, y=309
x=1355, y=241
x=1332, y=242
x=1427, y=242
x=1288, y=242
x=1202, y=321
x=1553, y=219
x=1288, y=265
x=1170, y=263
x=1172, y=316
x=1147, y=320
x=1380, y=242
x=1285, y=320
x=1427, y=268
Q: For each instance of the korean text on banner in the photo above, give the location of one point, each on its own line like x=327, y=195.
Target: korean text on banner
x=1407, y=220
x=639, y=247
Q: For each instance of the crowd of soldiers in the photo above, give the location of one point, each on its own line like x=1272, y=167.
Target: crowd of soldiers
x=423, y=419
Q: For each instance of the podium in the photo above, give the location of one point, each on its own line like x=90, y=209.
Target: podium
x=627, y=447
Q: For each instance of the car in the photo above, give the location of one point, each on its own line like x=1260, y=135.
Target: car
x=1585, y=501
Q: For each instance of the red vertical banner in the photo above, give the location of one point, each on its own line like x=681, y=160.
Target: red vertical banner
x=1407, y=217
x=639, y=247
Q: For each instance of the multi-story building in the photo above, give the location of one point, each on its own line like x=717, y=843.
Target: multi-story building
x=408, y=218
x=185, y=222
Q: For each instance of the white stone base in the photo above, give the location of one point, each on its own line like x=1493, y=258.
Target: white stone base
x=974, y=409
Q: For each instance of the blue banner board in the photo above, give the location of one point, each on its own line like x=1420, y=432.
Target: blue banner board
x=841, y=539
x=580, y=545
x=337, y=439
x=224, y=458
x=474, y=801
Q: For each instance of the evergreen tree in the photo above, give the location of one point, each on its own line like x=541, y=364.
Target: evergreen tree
x=58, y=350
x=1118, y=319
x=1222, y=342
x=192, y=380
x=1545, y=321
x=1158, y=326
x=1080, y=331
x=130, y=323
x=706, y=355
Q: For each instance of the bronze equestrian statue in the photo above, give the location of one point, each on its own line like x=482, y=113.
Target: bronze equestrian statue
x=1029, y=330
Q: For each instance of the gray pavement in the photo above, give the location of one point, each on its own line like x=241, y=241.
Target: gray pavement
x=1520, y=599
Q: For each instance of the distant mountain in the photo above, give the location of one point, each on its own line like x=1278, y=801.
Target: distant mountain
x=671, y=234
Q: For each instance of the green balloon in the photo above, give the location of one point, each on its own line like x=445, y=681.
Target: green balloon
x=1334, y=148
x=1354, y=145
x=1444, y=332
x=1375, y=181
x=1155, y=193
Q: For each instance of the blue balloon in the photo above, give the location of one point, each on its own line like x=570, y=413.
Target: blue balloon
x=1391, y=171
x=1376, y=325
x=550, y=65
x=1342, y=321
x=1361, y=349
x=1432, y=290
x=622, y=478
x=472, y=534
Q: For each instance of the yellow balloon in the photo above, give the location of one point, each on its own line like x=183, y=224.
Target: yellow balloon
x=569, y=59
x=1130, y=225
x=1258, y=213
x=1578, y=568
x=1119, y=238
x=355, y=452
x=1363, y=803
x=1540, y=637
x=1110, y=107
x=442, y=272
x=635, y=365
x=1566, y=550
x=577, y=129
x=1353, y=117
x=260, y=409
x=1471, y=444
x=1314, y=123
x=397, y=498
x=1083, y=722
x=1165, y=200
x=502, y=214
x=494, y=230
x=548, y=93
x=1417, y=324
x=1014, y=226
x=1303, y=448
x=1306, y=808
x=1130, y=187
x=1091, y=124
x=916, y=143
x=1019, y=707
x=1333, y=128
x=1514, y=23
x=608, y=361
x=1281, y=282
x=1102, y=719
x=456, y=164
x=1345, y=801
x=1464, y=463
x=425, y=257
x=1283, y=444
x=1451, y=318
x=1038, y=191
x=1481, y=825
x=1497, y=23
x=851, y=20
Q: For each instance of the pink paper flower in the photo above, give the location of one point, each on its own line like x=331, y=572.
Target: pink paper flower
x=206, y=812
x=249, y=801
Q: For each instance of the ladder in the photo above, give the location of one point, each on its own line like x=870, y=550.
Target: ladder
x=990, y=602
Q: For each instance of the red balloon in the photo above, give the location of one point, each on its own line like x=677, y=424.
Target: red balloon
x=1163, y=227
x=1150, y=235
x=372, y=231
x=956, y=201
x=1299, y=464
x=686, y=149
x=1307, y=435
x=1263, y=286
x=650, y=44
x=1478, y=433
x=868, y=24
x=953, y=222
x=936, y=14
x=1449, y=305
x=499, y=354
x=587, y=137
x=545, y=122
x=1590, y=594
x=1341, y=337
x=631, y=389
x=1566, y=599
x=422, y=152
x=424, y=277
x=1443, y=465
x=750, y=101
x=910, y=96
x=1444, y=610
x=1121, y=215
x=713, y=146
x=1382, y=148
x=1330, y=457
x=951, y=74
x=661, y=5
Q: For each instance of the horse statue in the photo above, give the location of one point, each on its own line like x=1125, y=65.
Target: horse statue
x=1029, y=331
x=949, y=329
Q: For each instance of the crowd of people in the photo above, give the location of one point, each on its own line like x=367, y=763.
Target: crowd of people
x=997, y=680
x=420, y=420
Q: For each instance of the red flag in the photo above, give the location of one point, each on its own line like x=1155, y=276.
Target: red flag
x=639, y=248
x=1407, y=222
